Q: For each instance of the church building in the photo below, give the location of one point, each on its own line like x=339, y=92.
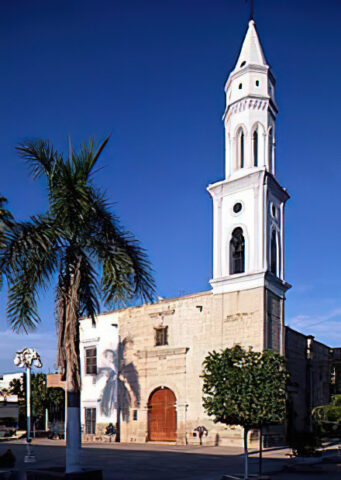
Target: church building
x=141, y=366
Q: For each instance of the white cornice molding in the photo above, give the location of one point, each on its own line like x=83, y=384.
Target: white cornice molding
x=248, y=281
x=245, y=178
x=247, y=69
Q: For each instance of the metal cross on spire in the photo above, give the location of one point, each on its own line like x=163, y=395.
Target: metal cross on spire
x=251, y=9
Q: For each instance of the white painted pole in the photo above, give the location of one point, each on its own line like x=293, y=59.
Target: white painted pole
x=28, y=403
x=46, y=419
x=65, y=415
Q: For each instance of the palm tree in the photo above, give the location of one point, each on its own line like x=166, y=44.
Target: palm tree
x=79, y=243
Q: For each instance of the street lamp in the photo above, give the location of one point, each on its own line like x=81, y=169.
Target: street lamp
x=28, y=358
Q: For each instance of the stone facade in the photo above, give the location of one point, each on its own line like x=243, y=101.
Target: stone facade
x=310, y=364
x=196, y=324
x=336, y=371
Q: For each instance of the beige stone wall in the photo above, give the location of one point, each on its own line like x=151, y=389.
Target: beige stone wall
x=274, y=322
x=336, y=366
x=197, y=324
x=309, y=363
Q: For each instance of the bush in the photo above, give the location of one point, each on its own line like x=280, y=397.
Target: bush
x=327, y=418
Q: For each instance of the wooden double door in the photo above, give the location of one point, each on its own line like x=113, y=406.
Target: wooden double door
x=162, y=416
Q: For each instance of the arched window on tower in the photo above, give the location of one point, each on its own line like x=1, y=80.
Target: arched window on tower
x=255, y=147
x=240, y=148
x=237, y=252
x=271, y=148
x=273, y=253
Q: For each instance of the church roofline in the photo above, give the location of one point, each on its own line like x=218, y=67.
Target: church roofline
x=306, y=336
x=152, y=305
x=283, y=194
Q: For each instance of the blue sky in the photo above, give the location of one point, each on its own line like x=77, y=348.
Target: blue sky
x=152, y=74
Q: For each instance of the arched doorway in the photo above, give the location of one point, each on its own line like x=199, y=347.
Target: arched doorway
x=162, y=416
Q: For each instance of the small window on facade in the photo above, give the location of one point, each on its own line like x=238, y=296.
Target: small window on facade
x=257, y=83
x=91, y=361
x=273, y=253
x=242, y=64
x=237, y=252
x=241, y=149
x=240, y=86
x=255, y=148
x=90, y=421
x=161, y=336
x=135, y=415
x=270, y=147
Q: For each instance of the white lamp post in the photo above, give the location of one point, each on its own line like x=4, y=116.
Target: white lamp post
x=28, y=358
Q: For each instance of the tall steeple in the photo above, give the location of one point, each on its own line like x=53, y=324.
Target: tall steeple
x=249, y=203
x=251, y=110
x=251, y=52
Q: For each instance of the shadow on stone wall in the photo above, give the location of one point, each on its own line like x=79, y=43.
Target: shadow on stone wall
x=122, y=389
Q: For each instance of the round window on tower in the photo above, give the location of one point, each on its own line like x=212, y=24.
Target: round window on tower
x=243, y=64
x=237, y=207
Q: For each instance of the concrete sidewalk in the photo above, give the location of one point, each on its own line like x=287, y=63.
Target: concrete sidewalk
x=162, y=462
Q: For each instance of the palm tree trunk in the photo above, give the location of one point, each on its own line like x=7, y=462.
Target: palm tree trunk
x=73, y=439
x=73, y=387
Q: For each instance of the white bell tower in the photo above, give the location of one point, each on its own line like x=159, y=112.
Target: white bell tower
x=248, y=206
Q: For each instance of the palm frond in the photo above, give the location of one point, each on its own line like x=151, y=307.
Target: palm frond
x=40, y=156
x=22, y=305
x=84, y=161
x=88, y=288
x=126, y=269
x=6, y=217
x=28, y=261
x=33, y=243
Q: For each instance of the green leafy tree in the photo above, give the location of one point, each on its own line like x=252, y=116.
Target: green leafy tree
x=42, y=399
x=327, y=418
x=246, y=388
x=79, y=242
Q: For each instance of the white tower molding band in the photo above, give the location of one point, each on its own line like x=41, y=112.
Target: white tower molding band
x=248, y=206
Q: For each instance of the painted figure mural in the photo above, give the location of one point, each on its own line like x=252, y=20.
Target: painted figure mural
x=109, y=393
x=128, y=384
x=118, y=378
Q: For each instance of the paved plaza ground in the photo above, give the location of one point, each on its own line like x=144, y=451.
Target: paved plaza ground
x=163, y=462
